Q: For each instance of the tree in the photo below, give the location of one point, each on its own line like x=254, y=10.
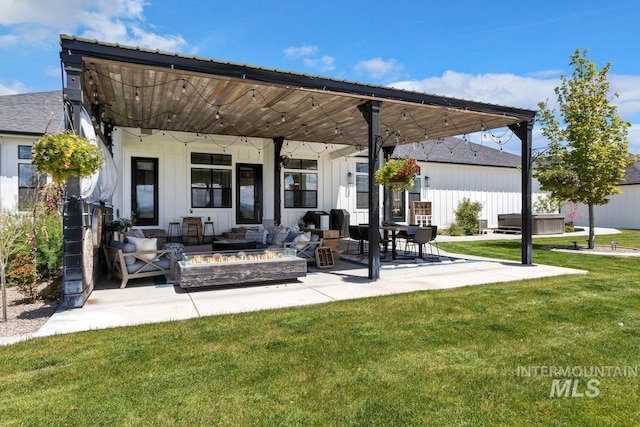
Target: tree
x=589, y=151
x=11, y=231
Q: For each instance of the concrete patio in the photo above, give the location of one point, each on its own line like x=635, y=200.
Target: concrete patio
x=144, y=301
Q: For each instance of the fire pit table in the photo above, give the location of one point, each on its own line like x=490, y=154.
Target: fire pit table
x=239, y=267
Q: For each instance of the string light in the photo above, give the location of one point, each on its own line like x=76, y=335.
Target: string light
x=292, y=110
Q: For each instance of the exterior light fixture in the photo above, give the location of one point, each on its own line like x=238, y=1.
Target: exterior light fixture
x=427, y=181
x=350, y=178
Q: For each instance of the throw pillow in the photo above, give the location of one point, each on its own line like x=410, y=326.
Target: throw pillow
x=292, y=235
x=135, y=233
x=144, y=245
x=280, y=237
x=271, y=232
x=259, y=236
x=128, y=248
x=301, y=240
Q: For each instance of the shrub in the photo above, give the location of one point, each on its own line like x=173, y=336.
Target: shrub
x=49, y=245
x=454, y=229
x=467, y=215
x=25, y=276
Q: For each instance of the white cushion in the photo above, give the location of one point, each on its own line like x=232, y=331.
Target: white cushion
x=143, y=245
x=301, y=240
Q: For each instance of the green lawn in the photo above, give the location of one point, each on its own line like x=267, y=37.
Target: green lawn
x=432, y=358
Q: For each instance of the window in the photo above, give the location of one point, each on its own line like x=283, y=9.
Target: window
x=414, y=192
x=24, y=152
x=28, y=184
x=210, y=187
x=362, y=186
x=144, y=190
x=300, y=188
x=211, y=159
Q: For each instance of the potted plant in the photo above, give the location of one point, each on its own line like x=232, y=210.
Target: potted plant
x=66, y=154
x=118, y=226
x=399, y=174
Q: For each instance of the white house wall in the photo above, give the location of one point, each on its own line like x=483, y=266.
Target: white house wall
x=498, y=189
x=9, y=167
x=173, y=153
x=621, y=211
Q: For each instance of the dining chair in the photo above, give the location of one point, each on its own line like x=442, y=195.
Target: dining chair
x=364, y=233
x=354, y=235
x=408, y=235
x=434, y=234
x=422, y=237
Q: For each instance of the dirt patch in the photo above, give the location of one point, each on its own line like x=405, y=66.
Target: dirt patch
x=24, y=317
x=608, y=250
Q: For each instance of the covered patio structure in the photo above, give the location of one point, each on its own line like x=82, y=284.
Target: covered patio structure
x=131, y=87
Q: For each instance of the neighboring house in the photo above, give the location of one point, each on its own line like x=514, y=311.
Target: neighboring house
x=622, y=209
x=451, y=169
x=23, y=119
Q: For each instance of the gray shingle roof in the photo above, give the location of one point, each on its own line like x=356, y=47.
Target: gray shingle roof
x=632, y=174
x=32, y=113
x=458, y=151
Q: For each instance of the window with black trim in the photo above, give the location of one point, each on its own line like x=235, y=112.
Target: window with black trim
x=300, y=186
x=28, y=184
x=414, y=192
x=24, y=152
x=211, y=186
x=362, y=186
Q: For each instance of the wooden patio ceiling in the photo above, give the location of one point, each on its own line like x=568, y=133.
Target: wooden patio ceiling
x=132, y=87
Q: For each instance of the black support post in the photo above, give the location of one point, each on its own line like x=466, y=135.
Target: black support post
x=371, y=113
x=76, y=287
x=524, y=131
x=277, y=183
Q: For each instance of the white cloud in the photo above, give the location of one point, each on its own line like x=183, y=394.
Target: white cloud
x=12, y=89
x=295, y=52
x=310, y=58
x=378, y=68
x=526, y=92
x=38, y=22
x=503, y=89
x=628, y=89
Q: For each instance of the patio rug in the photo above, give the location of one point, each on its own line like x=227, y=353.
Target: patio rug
x=402, y=261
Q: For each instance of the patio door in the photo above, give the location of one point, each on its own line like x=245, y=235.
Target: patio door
x=248, y=194
x=144, y=190
x=398, y=206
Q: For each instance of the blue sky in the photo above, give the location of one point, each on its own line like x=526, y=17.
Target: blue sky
x=503, y=52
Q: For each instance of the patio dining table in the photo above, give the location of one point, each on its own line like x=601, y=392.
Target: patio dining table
x=393, y=228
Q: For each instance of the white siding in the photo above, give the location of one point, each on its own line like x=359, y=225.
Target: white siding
x=621, y=211
x=9, y=168
x=173, y=154
x=498, y=189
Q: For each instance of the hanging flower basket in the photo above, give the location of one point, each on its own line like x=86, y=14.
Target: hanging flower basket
x=66, y=154
x=399, y=174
